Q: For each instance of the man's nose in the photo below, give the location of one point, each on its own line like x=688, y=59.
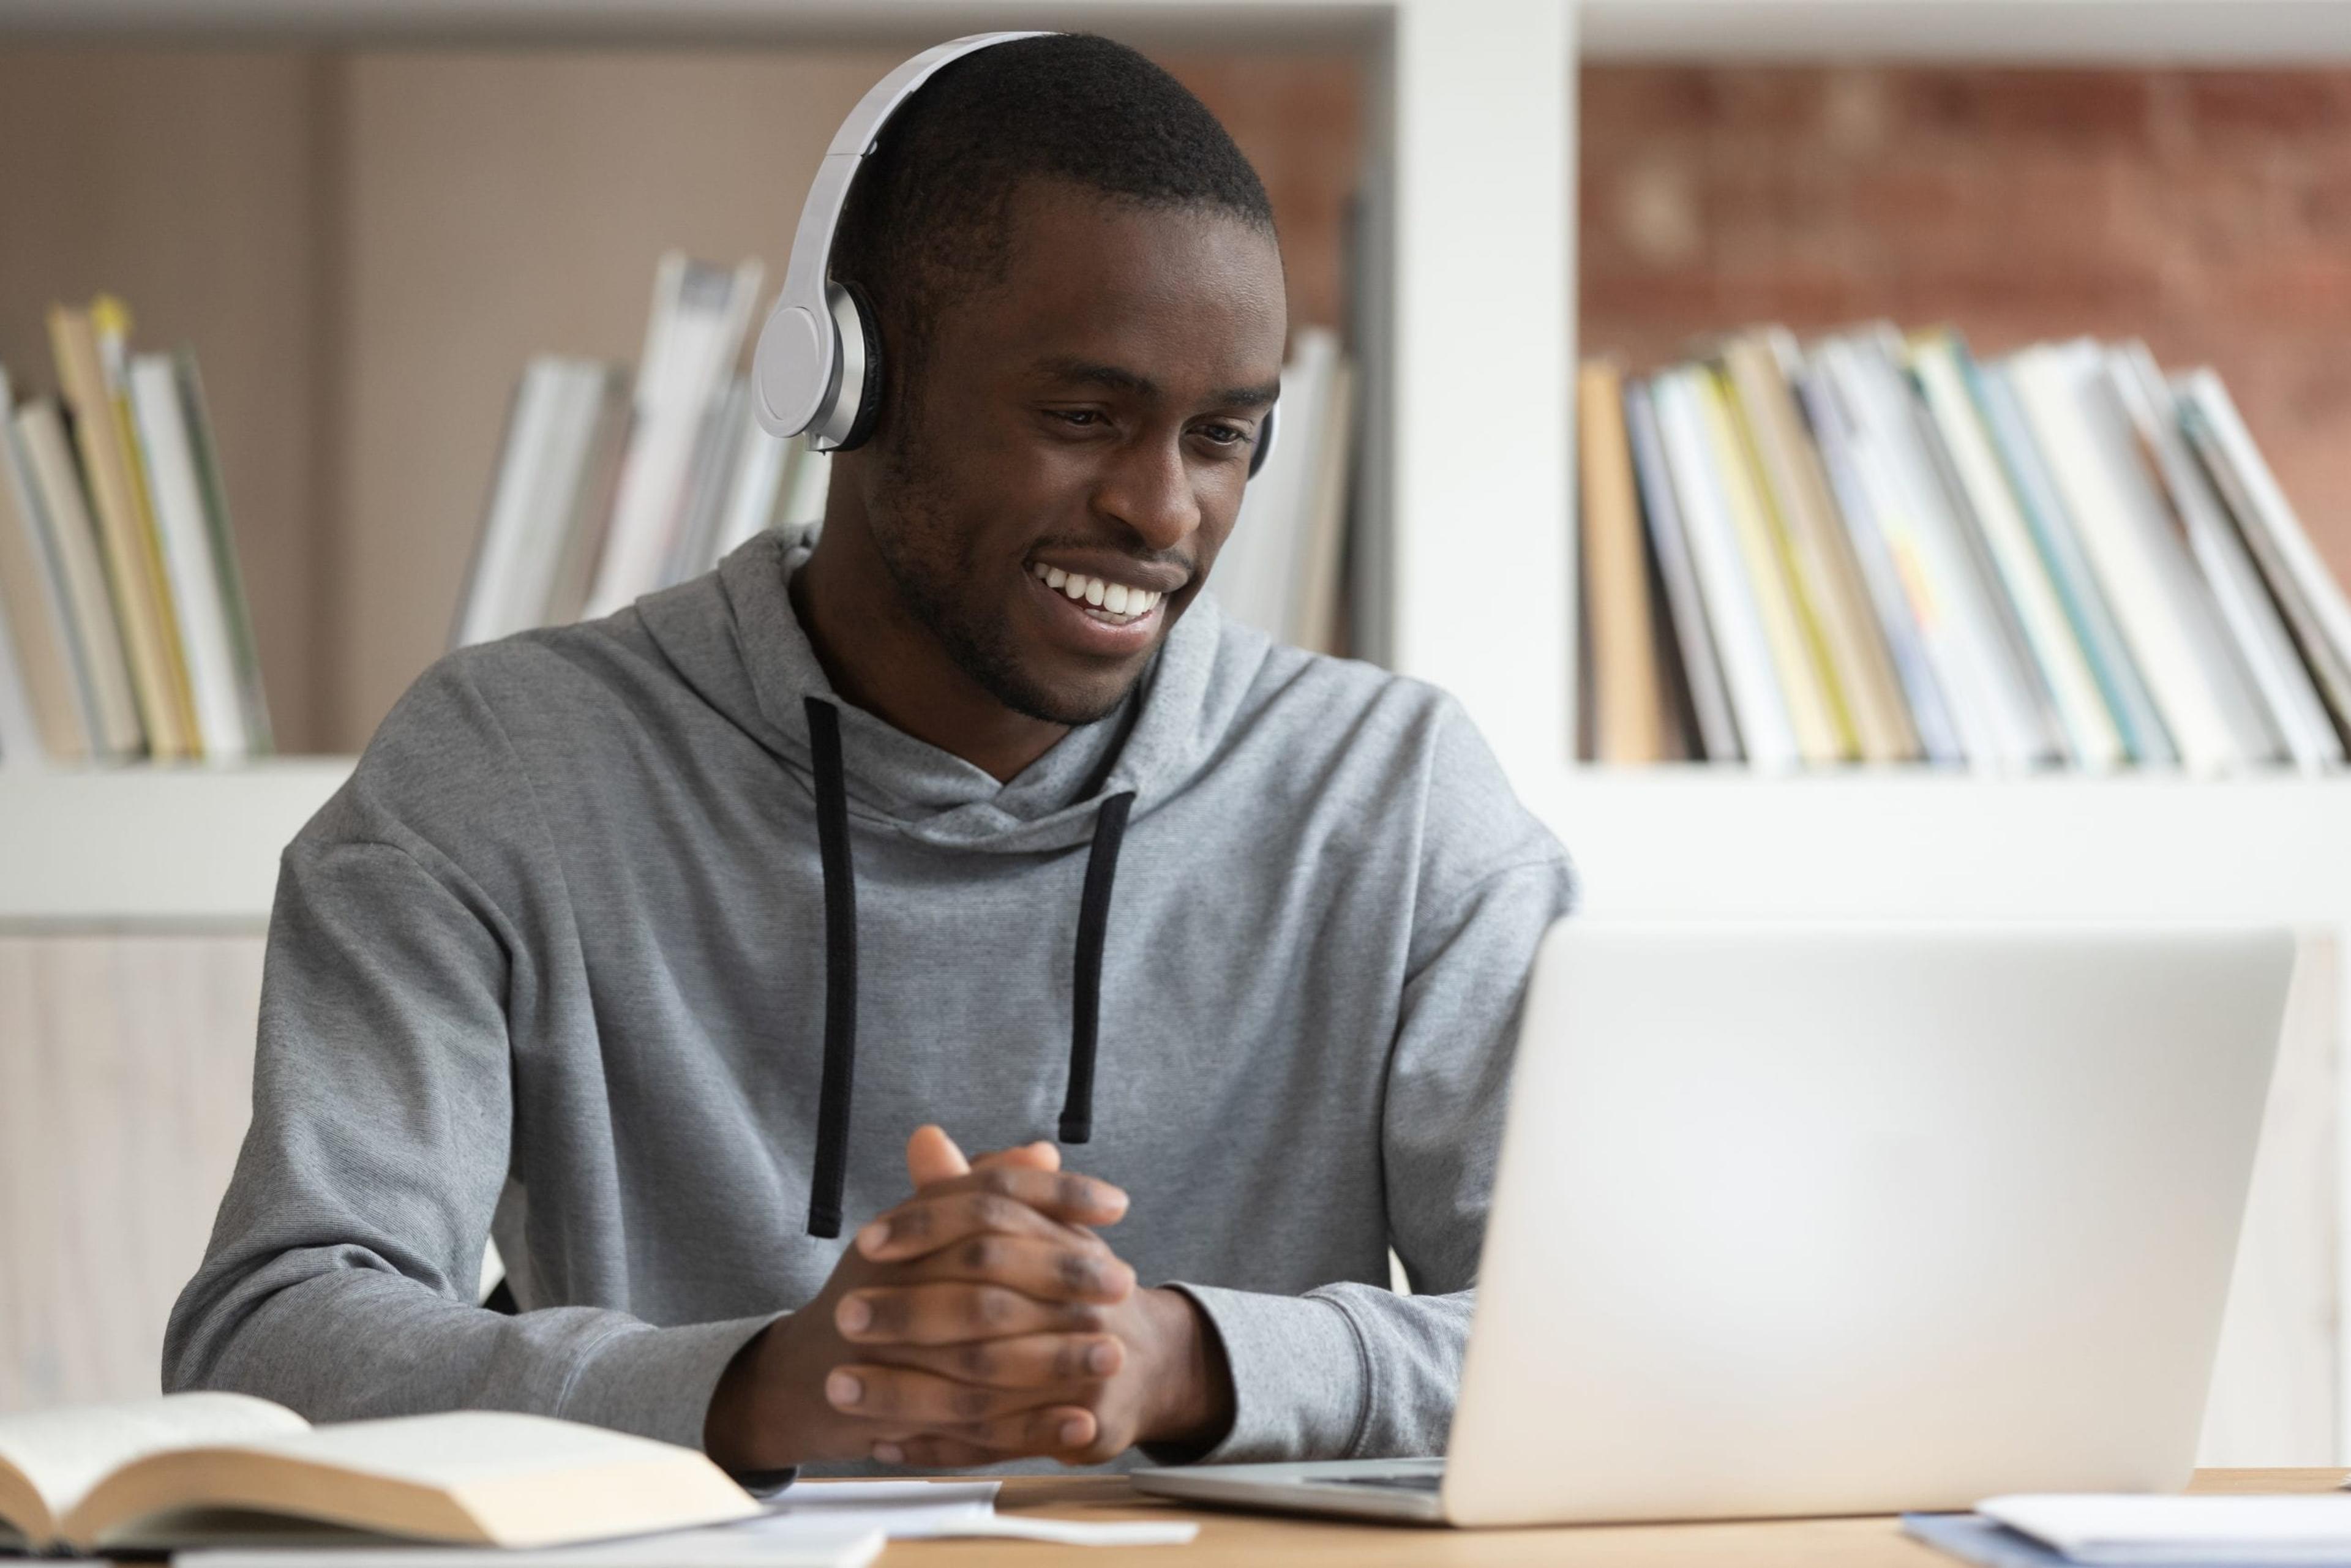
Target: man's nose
x=1149, y=488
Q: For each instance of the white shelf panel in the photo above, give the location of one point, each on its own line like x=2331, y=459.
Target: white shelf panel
x=153, y=846
x=1689, y=843
x=164, y=846
x=2252, y=32
x=1189, y=22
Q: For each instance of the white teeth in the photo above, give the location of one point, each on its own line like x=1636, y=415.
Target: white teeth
x=1111, y=598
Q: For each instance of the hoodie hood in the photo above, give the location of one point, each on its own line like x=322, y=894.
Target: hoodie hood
x=748, y=655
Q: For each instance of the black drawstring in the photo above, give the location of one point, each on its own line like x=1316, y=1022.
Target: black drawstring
x=1093, y=921
x=839, y=972
x=831, y=1171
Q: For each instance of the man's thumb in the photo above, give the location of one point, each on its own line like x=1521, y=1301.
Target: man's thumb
x=932, y=1157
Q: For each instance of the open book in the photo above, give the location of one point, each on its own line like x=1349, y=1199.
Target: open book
x=192, y=1468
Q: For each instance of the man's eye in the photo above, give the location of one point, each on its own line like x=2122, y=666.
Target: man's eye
x=1225, y=434
x=1082, y=417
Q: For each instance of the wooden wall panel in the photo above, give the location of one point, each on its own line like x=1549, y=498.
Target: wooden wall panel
x=126, y=1081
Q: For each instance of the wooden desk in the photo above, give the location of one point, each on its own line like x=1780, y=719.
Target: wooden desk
x=1228, y=1538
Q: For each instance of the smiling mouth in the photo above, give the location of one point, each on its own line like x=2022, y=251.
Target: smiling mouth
x=1114, y=604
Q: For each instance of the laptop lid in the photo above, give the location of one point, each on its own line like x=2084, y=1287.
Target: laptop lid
x=1832, y=1221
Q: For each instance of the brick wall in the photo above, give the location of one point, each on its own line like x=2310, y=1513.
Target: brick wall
x=2208, y=212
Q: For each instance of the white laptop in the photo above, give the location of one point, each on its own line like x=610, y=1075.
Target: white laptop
x=1812, y=1220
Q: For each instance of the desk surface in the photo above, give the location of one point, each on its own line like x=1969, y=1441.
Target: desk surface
x=1235, y=1538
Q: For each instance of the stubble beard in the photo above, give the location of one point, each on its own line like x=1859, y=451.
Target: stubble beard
x=928, y=558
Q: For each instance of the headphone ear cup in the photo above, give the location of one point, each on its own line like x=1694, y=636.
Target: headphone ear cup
x=869, y=396
x=1264, y=444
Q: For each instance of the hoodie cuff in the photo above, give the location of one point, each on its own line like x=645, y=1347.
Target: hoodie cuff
x=658, y=1382
x=1299, y=1378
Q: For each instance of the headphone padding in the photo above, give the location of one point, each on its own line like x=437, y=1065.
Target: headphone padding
x=1264, y=444
x=869, y=395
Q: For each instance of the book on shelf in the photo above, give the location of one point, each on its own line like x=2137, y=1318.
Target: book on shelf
x=1280, y=568
x=1875, y=548
x=124, y=630
x=611, y=484
x=193, y=1469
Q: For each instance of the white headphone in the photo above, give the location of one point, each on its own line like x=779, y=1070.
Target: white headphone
x=818, y=366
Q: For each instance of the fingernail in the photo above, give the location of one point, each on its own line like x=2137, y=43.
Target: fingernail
x=890, y=1453
x=843, y=1388
x=1073, y=1432
x=856, y=1315
x=871, y=1240
x=1103, y=1359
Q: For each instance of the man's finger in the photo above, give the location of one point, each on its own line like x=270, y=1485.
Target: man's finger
x=951, y=1313
x=932, y=1157
x=1028, y=1361
x=1066, y=1196
x=924, y=1225
x=1054, y=1429
x=1039, y=1156
x=904, y=1400
x=1050, y=1270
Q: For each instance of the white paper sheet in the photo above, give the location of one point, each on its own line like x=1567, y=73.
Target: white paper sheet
x=809, y=1524
x=2127, y=1528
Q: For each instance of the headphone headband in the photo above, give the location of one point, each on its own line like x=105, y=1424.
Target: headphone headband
x=815, y=371
x=796, y=371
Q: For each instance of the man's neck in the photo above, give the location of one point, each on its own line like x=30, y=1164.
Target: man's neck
x=880, y=658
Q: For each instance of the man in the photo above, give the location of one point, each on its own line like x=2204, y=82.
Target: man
x=648, y=944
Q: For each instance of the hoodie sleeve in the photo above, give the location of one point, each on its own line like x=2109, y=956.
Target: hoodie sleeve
x=1351, y=1370
x=342, y=1271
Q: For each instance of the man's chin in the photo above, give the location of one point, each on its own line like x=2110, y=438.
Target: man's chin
x=1071, y=701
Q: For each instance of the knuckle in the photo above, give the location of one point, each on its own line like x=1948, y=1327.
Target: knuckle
x=912, y=1222
x=978, y=1360
x=995, y=1306
x=982, y=1255
x=992, y=1211
x=1079, y=1271
x=1000, y=1181
x=1073, y=1191
x=972, y=1404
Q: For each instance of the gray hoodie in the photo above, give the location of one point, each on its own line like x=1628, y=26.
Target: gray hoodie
x=554, y=965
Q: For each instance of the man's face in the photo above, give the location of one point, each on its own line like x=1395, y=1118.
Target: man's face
x=1089, y=419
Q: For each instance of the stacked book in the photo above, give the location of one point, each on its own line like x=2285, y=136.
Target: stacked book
x=1281, y=569
x=1875, y=548
x=608, y=488
x=123, y=627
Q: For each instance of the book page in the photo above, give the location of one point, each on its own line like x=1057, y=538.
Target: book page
x=464, y=1448
x=64, y=1453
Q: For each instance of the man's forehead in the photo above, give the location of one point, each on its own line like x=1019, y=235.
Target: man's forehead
x=1134, y=297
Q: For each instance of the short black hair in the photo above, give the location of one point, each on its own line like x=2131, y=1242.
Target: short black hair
x=928, y=216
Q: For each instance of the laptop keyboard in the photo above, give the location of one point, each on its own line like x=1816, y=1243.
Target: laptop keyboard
x=1394, y=1480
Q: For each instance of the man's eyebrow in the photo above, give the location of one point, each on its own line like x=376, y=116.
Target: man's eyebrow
x=1259, y=396
x=1118, y=378
x=1091, y=372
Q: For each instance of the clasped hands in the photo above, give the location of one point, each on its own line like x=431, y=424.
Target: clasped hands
x=981, y=1320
